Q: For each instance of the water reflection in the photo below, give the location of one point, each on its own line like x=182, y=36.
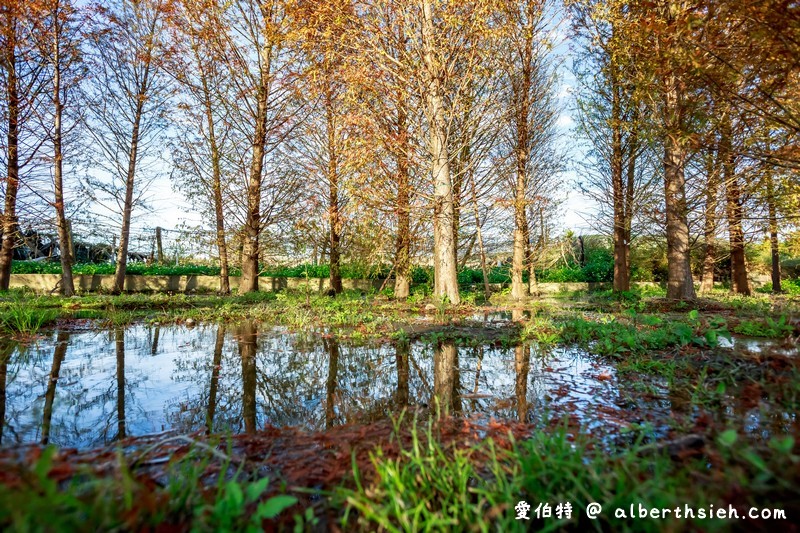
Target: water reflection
x=522, y=366
x=216, y=366
x=119, y=342
x=102, y=386
x=58, y=356
x=758, y=345
x=445, y=375
x=88, y=388
x=154, y=342
x=402, y=354
x=6, y=349
x=332, y=347
x=248, y=337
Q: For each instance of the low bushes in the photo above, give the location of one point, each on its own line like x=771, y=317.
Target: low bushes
x=45, y=267
x=598, y=267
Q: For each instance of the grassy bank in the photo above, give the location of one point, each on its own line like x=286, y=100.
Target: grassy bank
x=377, y=315
x=422, y=480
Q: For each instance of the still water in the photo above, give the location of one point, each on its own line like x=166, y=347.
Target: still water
x=89, y=388
x=86, y=389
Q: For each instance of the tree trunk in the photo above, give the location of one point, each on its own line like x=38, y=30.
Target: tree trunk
x=334, y=215
x=5, y=353
x=9, y=217
x=739, y=282
x=252, y=227
x=156, y=337
x=216, y=185
x=710, y=223
x=402, y=349
x=70, y=240
x=402, y=268
x=159, y=246
x=773, y=233
x=487, y=293
x=456, y=174
x=64, y=240
x=522, y=99
x=122, y=253
x=518, y=289
x=621, y=268
x=127, y=208
x=467, y=255
x=445, y=274
x=531, y=253
x=633, y=150
x=679, y=283
x=522, y=365
x=445, y=355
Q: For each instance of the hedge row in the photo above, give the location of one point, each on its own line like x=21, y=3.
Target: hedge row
x=596, y=269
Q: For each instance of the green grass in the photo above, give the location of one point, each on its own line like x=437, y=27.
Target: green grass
x=768, y=327
x=120, y=502
x=351, y=309
x=24, y=317
x=619, y=324
x=637, y=334
x=429, y=487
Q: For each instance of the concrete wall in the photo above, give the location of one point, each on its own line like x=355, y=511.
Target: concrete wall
x=45, y=283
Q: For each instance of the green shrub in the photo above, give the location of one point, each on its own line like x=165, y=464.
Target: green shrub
x=599, y=266
x=564, y=274
x=791, y=268
x=420, y=275
x=788, y=286
x=35, y=267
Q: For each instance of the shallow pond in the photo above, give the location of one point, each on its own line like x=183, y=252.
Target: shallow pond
x=83, y=389
x=88, y=388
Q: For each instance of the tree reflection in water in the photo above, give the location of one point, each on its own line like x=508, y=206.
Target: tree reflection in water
x=248, y=344
x=6, y=349
x=119, y=341
x=216, y=367
x=522, y=366
x=332, y=347
x=59, y=353
x=445, y=377
x=93, y=387
x=154, y=343
x=402, y=349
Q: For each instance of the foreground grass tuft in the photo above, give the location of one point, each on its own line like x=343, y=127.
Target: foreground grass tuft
x=119, y=502
x=24, y=317
x=431, y=488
